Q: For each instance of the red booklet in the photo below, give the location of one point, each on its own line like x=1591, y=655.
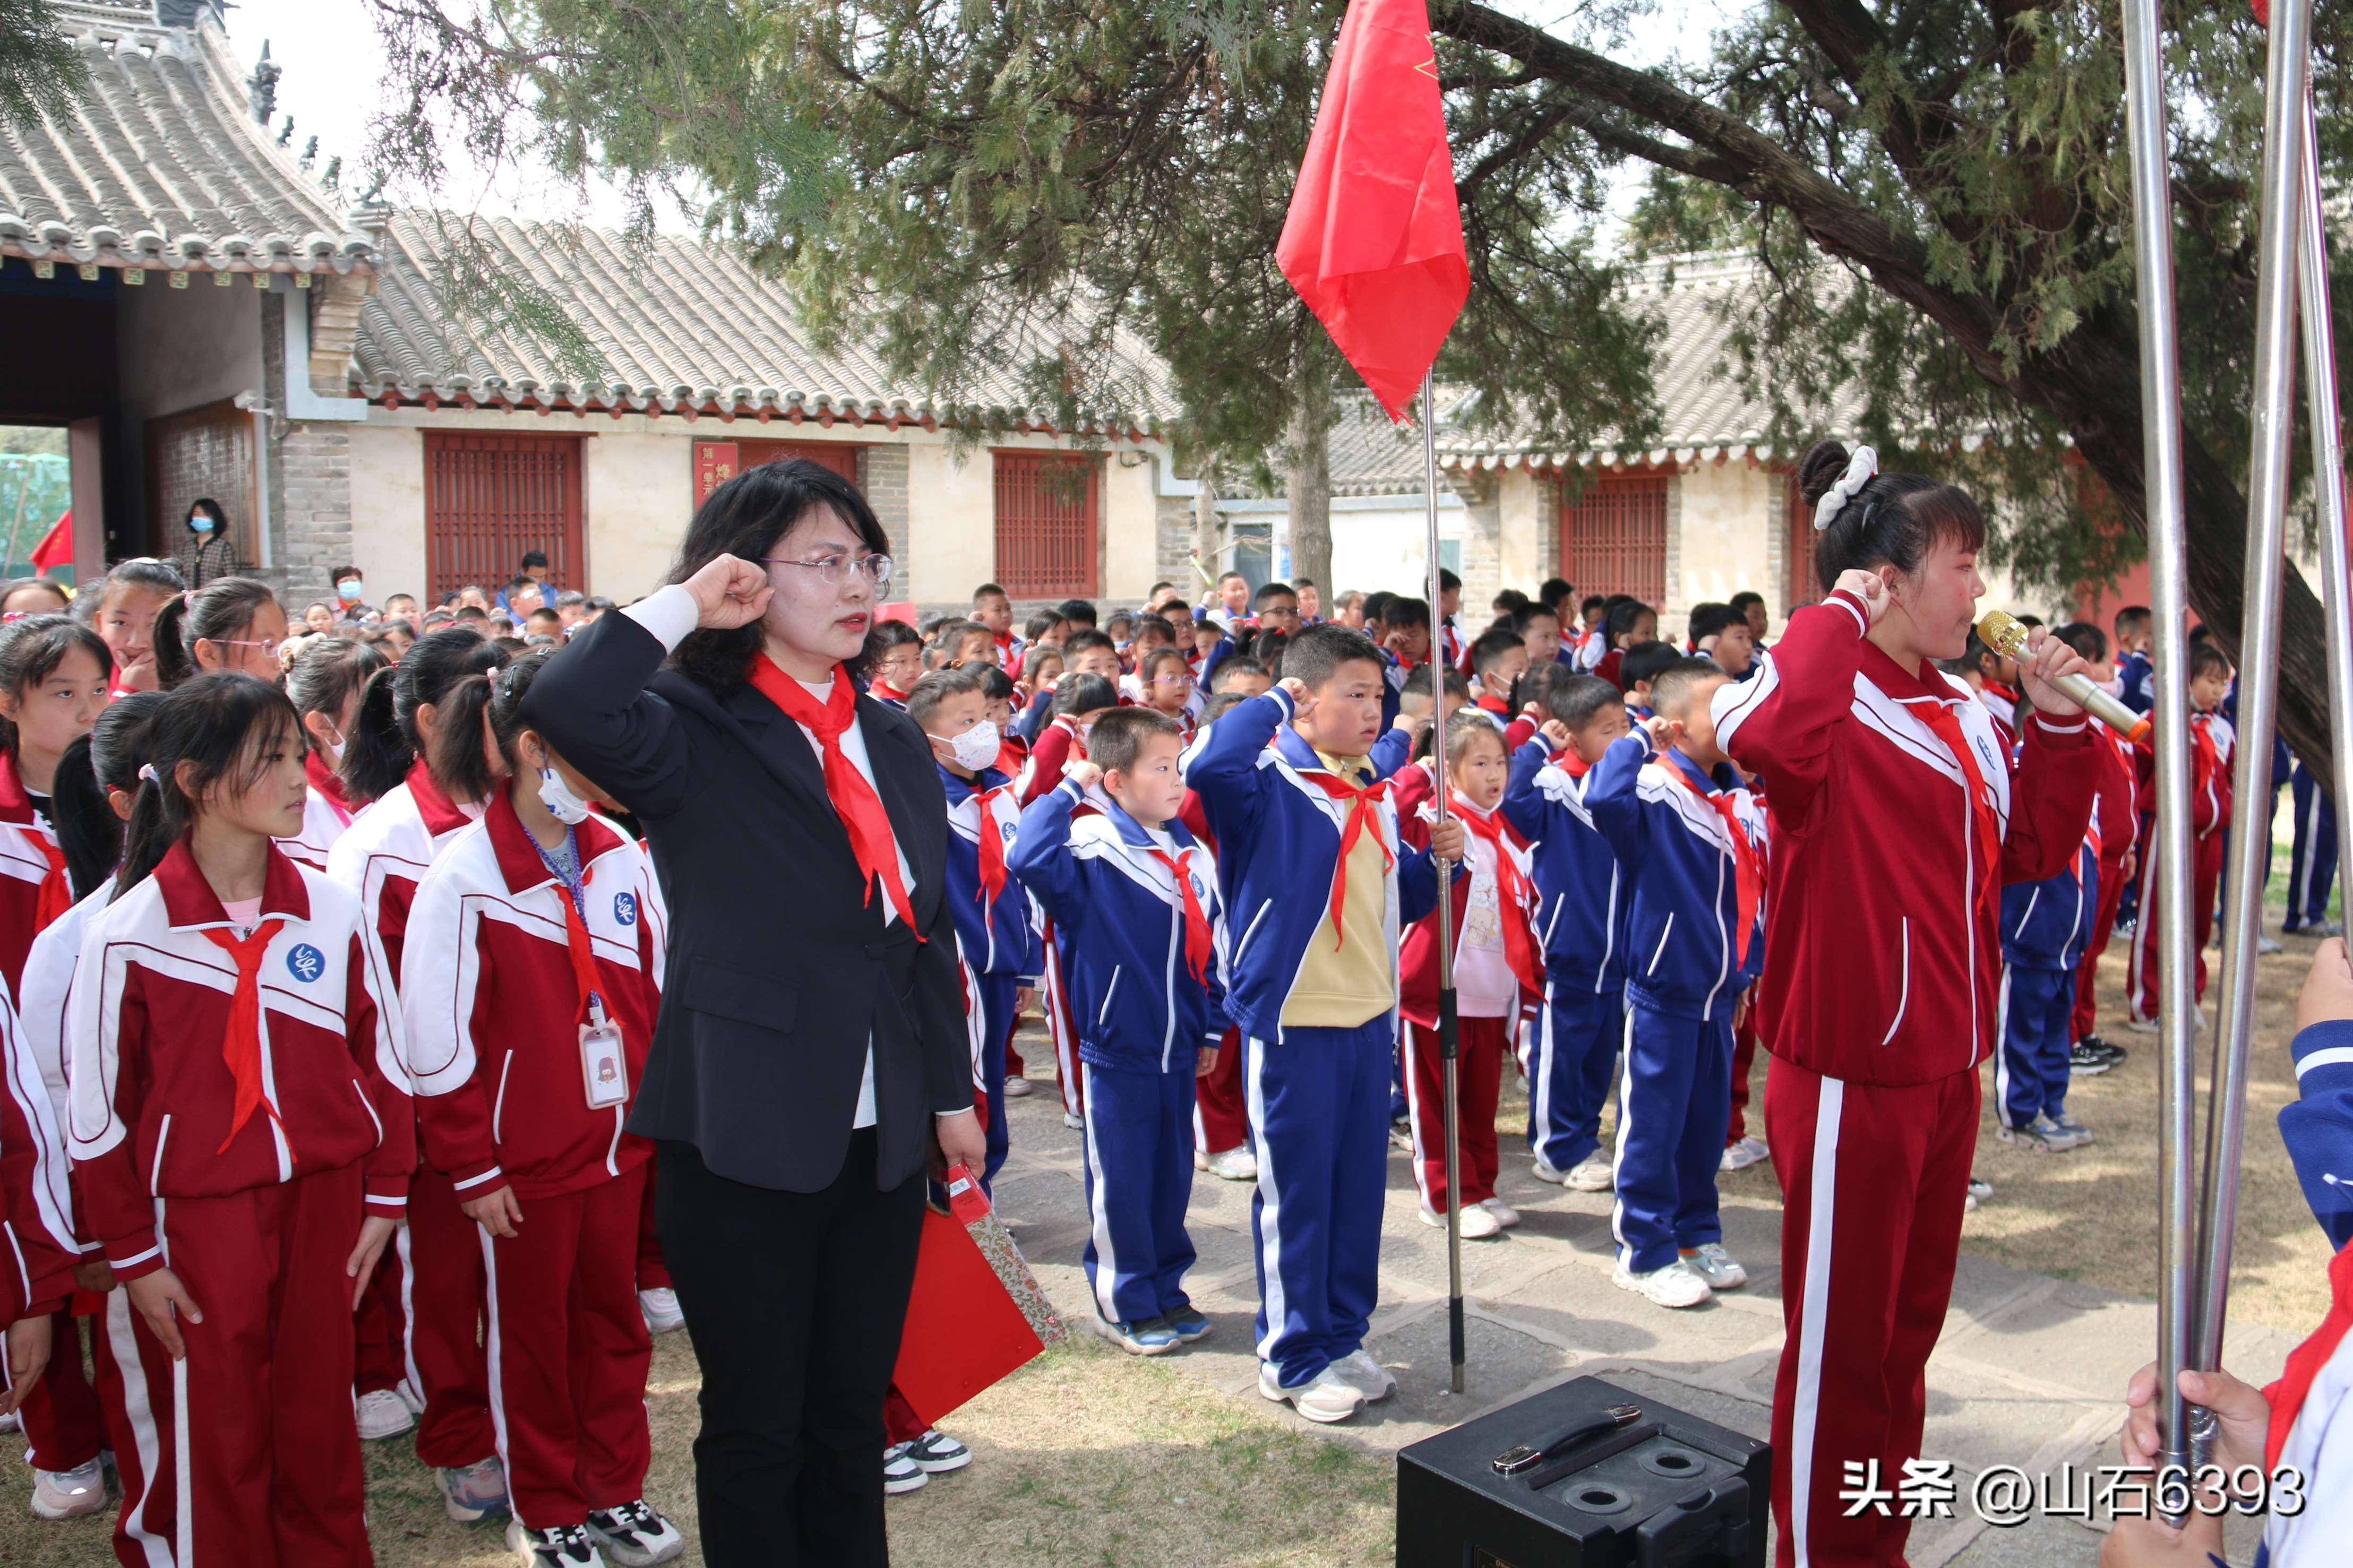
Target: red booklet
x=977, y=1313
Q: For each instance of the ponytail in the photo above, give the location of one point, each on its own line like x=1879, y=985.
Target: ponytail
x=211, y=723
x=459, y=763
x=173, y=662
x=220, y=610
x=385, y=741
x=89, y=833
x=376, y=754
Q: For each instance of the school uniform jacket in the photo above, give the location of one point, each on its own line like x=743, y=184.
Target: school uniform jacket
x=1581, y=894
x=37, y=1245
x=1683, y=914
x=151, y=1097
x=492, y=1005
x=325, y=815
x=2210, y=778
x=30, y=858
x=384, y=853
x=1279, y=844
x=1418, y=953
x=2045, y=924
x=41, y=1043
x=996, y=933
x=1057, y=747
x=1121, y=915
x=1882, y=956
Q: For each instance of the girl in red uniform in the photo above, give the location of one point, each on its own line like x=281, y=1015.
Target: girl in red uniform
x=1894, y=825
x=325, y=683
x=241, y=1134
x=531, y=977
x=124, y=610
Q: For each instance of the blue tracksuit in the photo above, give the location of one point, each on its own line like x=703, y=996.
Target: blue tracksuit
x=1683, y=978
x=2044, y=927
x=1572, y=1046
x=994, y=934
x=1141, y=1019
x=2312, y=854
x=1318, y=1097
x=2136, y=676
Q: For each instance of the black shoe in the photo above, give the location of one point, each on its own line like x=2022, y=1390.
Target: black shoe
x=2085, y=1059
x=2115, y=1054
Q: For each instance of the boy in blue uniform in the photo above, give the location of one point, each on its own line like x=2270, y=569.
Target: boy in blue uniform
x=1581, y=912
x=1135, y=895
x=2044, y=927
x=1318, y=887
x=992, y=912
x=1691, y=844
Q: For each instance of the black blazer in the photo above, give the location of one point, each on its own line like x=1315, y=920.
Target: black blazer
x=780, y=971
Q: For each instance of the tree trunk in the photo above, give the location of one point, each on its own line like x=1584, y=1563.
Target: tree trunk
x=1308, y=492
x=1207, y=534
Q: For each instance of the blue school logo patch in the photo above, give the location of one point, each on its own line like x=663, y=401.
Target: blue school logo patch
x=1198, y=891
x=1005, y=830
x=306, y=962
x=624, y=907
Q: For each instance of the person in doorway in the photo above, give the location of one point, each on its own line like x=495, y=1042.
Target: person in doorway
x=207, y=552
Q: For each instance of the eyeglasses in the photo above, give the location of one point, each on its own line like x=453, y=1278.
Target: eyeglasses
x=830, y=569
x=268, y=647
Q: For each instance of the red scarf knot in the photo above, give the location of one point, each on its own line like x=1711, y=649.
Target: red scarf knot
x=1364, y=807
x=56, y=892
x=852, y=794
x=992, y=845
x=1514, y=898
x=1198, y=948
x=241, y=1045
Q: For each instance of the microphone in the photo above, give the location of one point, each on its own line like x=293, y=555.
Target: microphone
x=2002, y=634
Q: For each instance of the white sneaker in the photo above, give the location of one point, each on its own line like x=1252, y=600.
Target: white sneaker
x=1368, y=1377
x=1505, y=1214
x=1018, y=1089
x=1478, y=1224
x=1324, y=1399
x=1593, y=1174
x=409, y=1397
x=634, y=1536
x=2141, y=1026
x=382, y=1415
x=565, y=1546
x=1237, y=1164
x=1673, y=1286
x=1741, y=1156
x=1543, y=1171
x=900, y=1472
x=8, y=1422
x=69, y=1494
x=1075, y=1123
x=659, y=1309
x=1717, y=1267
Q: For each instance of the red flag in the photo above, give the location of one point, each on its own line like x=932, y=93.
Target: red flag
x=56, y=548
x=1374, y=241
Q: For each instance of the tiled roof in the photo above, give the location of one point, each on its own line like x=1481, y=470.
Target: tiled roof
x=677, y=325
x=162, y=165
x=1369, y=456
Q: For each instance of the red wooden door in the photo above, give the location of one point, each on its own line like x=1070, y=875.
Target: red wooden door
x=1802, y=584
x=1048, y=512
x=1613, y=537
x=491, y=498
x=716, y=462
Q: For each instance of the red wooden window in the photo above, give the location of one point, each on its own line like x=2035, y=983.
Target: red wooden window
x=1802, y=584
x=716, y=462
x=1047, y=517
x=491, y=498
x=1613, y=537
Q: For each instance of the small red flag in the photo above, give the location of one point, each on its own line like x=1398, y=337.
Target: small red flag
x=56, y=548
x=1374, y=240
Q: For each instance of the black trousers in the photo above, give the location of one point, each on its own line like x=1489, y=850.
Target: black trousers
x=793, y=1302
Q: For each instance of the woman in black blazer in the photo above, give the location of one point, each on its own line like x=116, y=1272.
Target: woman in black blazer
x=811, y=1053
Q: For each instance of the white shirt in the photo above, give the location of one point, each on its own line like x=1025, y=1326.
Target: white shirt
x=670, y=613
x=1485, y=986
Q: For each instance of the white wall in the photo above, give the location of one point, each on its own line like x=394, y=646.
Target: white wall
x=181, y=348
x=1130, y=513
x=951, y=522
x=640, y=488
x=388, y=507
x=1381, y=543
x=1725, y=516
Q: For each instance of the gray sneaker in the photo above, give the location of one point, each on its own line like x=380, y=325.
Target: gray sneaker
x=2074, y=1131
x=1594, y=1173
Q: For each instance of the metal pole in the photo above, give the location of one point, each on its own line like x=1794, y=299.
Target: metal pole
x=2161, y=423
x=1448, y=1033
x=2286, y=70
x=2327, y=479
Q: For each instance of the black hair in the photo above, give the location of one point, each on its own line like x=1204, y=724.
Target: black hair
x=1077, y=611
x=325, y=675
x=221, y=610
x=30, y=651
x=340, y=572
x=1464, y=725
x=1238, y=664
x=1509, y=601
x=220, y=517
x=1140, y=625
x=745, y=517
x=223, y=725
x=459, y=763
x=1448, y=581
x=1404, y=612
x=1746, y=597
x=1644, y=661
x=1316, y=654
x=18, y=584
x=1158, y=655
x=1078, y=642
x=1218, y=707
x=994, y=684
x=383, y=741
x=1039, y=625
x=989, y=591
x=1118, y=737
x=1593, y=602
x=534, y=558
x=1035, y=655
x=1625, y=614
x=1083, y=694
x=939, y=686
x=1894, y=520
x=1577, y=700
x=1554, y=591
x=1267, y=647
x=2205, y=658
x=89, y=833
x=1377, y=606
x=2132, y=617
x=1670, y=689
x=1710, y=617
x=2086, y=638
x=144, y=572
x=1527, y=614
x=1299, y=582
x=1493, y=645
x=596, y=604
x=884, y=636
x=570, y=598
x=1121, y=623
x=1273, y=591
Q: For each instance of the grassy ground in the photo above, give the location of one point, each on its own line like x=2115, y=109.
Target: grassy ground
x=1088, y=1458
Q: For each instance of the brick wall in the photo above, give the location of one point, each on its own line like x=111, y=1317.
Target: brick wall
x=313, y=514
x=882, y=474
x=1173, y=553
x=1549, y=485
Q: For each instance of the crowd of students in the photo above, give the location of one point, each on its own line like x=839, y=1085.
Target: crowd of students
x=331, y=989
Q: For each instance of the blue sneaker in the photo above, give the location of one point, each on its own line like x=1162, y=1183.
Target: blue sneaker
x=1188, y=1322
x=472, y=1493
x=1152, y=1338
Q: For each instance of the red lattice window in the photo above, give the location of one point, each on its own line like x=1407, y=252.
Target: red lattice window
x=1613, y=536
x=491, y=498
x=1801, y=583
x=1047, y=517
x=716, y=462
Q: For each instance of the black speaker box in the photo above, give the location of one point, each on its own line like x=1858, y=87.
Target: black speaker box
x=1659, y=1488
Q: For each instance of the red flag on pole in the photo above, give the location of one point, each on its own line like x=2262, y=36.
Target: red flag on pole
x=1374, y=240
x=56, y=548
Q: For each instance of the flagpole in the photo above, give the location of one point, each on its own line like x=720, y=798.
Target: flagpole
x=1448, y=1031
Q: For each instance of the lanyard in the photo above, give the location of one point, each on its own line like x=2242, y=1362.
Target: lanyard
x=572, y=877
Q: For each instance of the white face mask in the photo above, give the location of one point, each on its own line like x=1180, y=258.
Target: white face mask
x=335, y=752
x=977, y=747
x=557, y=796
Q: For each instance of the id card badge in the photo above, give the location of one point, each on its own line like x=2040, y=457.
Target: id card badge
x=605, y=1071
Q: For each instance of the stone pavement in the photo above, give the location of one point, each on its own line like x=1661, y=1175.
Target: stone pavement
x=2030, y=1372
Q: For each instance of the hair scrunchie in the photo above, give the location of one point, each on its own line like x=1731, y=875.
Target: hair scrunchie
x=1861, y=469
x=147, y=771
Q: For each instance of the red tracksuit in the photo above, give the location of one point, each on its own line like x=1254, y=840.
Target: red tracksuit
x=247, y=1446
x=326, y=813
x=1484, y=1033
x=1882, y=974
x=493, y=989
x=425, y=1319
x=2119, y=818
x=2211, y=744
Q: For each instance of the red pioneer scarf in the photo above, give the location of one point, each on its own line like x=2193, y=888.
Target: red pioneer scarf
x=1948, y=727
x=853, y=797
x=991, y=844
x=577, y=946
x=1364, y=807
x=1511, y=899
x=2304, y=1362
x=56, y=892
x=1748, y=866
x=1197, y=946
x=241, y=1046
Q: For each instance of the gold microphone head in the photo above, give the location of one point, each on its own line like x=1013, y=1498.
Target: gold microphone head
x=2000, y=632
